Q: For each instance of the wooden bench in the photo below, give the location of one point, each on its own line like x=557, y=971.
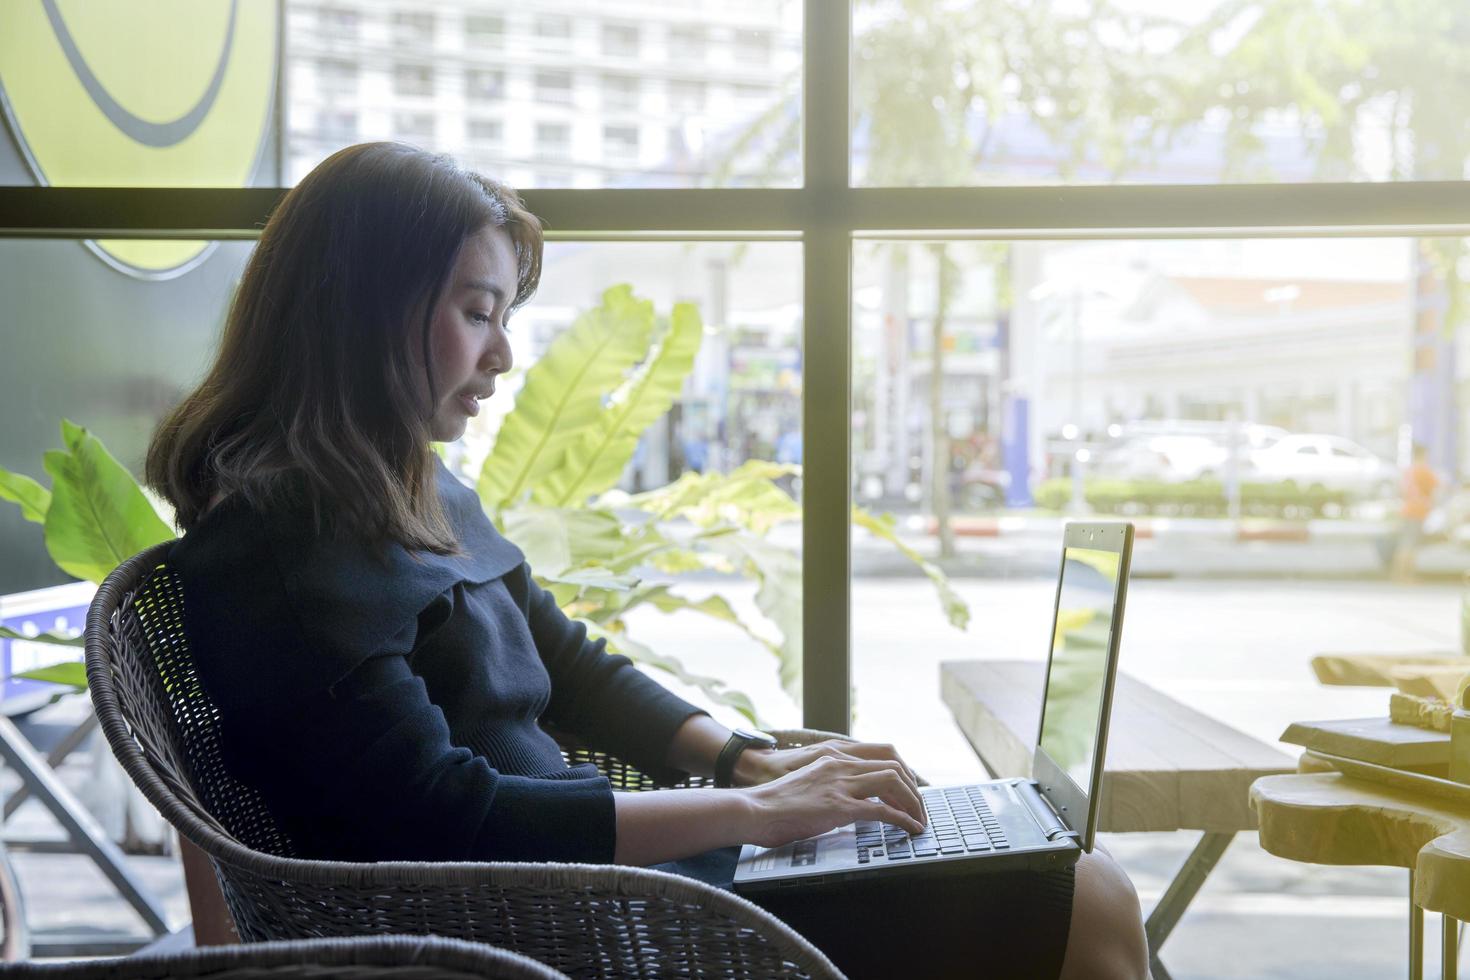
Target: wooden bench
x=1168, y=767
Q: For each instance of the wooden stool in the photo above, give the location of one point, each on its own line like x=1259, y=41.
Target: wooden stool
x=1365, y=814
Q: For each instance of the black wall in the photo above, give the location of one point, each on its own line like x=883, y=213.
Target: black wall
x=111, y=352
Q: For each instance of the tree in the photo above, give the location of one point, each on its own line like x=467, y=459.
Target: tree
x=934, y=84
x=1374, y=95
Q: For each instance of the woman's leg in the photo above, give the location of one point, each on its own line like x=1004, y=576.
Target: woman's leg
x=1106, y=940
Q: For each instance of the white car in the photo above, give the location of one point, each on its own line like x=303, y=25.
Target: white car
x=1198, y=452
x=1171, y=458
x=1328, y=462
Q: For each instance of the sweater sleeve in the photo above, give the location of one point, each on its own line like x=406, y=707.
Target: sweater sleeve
x=366, y=771
x=602, y=697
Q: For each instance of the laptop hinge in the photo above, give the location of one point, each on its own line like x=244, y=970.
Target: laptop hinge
x=1051, y=823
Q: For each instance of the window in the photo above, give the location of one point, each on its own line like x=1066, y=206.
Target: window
x=1010, y=348
x=553, y=86
x=619, y=92
x=337, y=75
x=484, y=30
x=753, y=47
x=686, y=95
x=554, y=139
x=536, y=62
x=338, y=22
x=485, y=130
x=482, y=84
x=620, y=142
x=553, y=30
x=337, y=125
x=620, y=40
x=414, y=125
x=687, y=43
x=1093, y=103
x=413, y=80
x=413, y=28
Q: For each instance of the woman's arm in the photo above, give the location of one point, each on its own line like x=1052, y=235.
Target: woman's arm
x=664, y=825
x=697, y=744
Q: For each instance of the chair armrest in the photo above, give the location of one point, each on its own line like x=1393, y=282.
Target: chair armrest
x=579, y=918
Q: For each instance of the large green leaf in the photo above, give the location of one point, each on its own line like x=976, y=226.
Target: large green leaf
x=594, y=462
x=34, y=499
x=955, y=608
x=713, y=687
x=746, y=497
x=777, y=573
x=555, y=539
x=6, y=633
x=72, y=673
x=563, y=394
x=98, y=516
x=595, y=578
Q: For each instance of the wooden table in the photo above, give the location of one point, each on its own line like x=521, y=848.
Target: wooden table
x=1367, y=814
x=1436, y=673
x=1168, y=767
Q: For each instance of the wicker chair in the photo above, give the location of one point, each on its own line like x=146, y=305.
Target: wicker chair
x=585, y=920
x=365, y=958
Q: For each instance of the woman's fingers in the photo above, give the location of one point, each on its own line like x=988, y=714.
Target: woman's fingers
x=877, y=751
x=889, y=787
x=881, y=811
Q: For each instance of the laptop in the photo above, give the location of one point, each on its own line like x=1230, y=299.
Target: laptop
x=1045, y=822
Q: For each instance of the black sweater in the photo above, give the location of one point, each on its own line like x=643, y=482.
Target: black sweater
x=386, y=705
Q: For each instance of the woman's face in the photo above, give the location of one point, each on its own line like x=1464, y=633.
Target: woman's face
x=467, y=339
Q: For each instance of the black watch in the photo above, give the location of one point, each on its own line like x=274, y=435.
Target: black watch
x=740, y=740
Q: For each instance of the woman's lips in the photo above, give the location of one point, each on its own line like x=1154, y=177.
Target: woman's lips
x=471, y=406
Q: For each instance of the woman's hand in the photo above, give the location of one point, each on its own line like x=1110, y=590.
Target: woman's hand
x=755, y=766
x=829, y=791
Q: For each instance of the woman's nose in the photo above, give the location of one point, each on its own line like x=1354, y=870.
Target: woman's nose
x=498, y=356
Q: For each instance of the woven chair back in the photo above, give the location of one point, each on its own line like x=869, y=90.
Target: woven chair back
x=174, y=720
x=585, y=920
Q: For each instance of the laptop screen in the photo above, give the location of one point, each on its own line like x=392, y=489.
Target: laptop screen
x=1079, y=660
x=1081, y=668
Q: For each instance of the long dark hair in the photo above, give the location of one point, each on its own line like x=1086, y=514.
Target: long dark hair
x=314, y=390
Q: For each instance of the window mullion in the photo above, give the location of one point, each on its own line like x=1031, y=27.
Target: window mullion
x=826, y=370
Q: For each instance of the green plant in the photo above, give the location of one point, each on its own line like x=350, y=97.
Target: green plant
x=548, y=483
x=1196, y=497
x=95, y=516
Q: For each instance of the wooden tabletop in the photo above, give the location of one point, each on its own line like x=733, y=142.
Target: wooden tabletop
x=1377, y=740
x=1378, y=669
x=1168, y=766
x=1334, y=818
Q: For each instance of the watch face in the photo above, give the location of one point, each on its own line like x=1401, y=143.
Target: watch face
x=759, y=740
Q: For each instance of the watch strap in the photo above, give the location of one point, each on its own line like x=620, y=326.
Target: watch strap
x=738, y=742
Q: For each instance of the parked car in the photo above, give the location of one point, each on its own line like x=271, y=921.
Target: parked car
x=1172, y=459
x=1312, y=460
x=1195, y=450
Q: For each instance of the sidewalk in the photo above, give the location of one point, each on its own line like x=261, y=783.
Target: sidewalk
x=1164, y=546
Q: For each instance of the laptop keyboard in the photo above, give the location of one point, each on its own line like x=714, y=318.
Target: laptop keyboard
x=960, y=822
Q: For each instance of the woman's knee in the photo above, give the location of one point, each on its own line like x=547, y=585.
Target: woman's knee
x=1106, y=938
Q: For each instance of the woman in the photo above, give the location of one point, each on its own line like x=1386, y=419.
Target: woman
x=381, y=659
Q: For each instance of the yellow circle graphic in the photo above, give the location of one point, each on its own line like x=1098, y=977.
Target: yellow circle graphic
x=139, y=93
